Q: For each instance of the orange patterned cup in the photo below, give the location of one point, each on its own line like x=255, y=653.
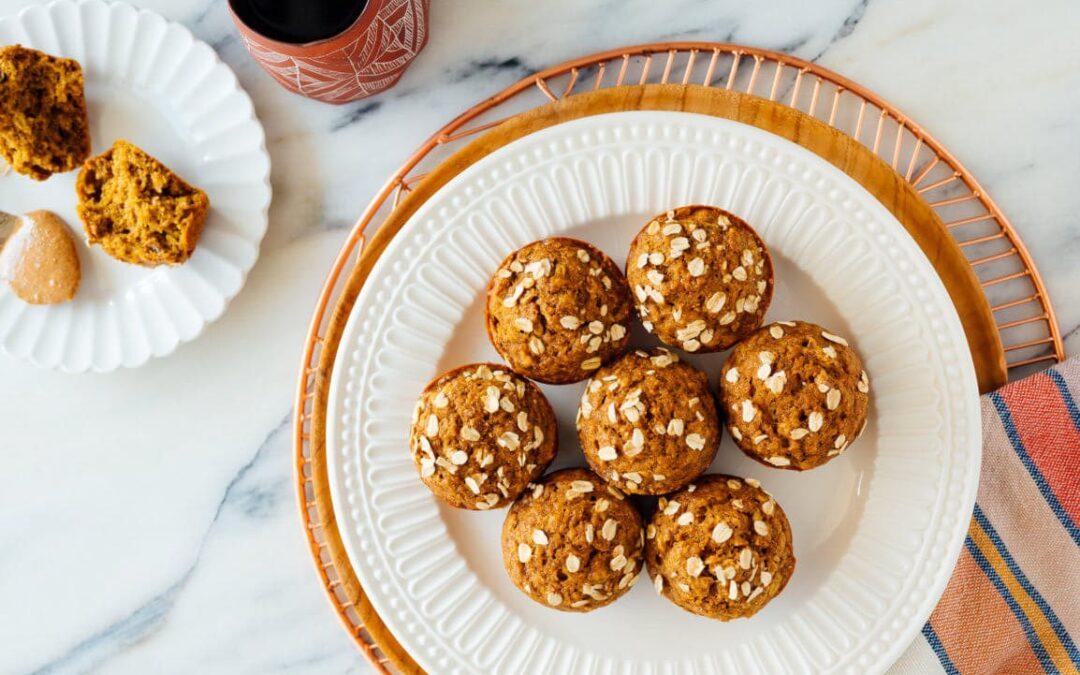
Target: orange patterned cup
x=366, y=58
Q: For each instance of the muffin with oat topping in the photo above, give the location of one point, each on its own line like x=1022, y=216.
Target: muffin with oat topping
x=796, y=395
x=557, y=310
x=702, y=278
x=479, y=434
x=573, y=543
x=647, y=422
x=720, y=548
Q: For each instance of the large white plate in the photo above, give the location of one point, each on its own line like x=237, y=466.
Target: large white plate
x=876, y=531
x=149, y=81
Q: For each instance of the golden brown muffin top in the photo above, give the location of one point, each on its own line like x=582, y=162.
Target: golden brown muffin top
x=573, y=543
x=557, y=309
x=702, y=278
x=479, y=434
x=721, y=547
x=796, y=395
x=647, y=422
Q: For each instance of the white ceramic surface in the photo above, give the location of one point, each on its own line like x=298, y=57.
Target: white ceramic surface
x=876, y=531
x=148, y=80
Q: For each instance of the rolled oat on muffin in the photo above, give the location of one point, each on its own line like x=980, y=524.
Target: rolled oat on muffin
x=702, y=278
x=558, y=309
x=721, y=547
x=480, y=433
x=573, y=543
x=796, y=395
x=647, y=422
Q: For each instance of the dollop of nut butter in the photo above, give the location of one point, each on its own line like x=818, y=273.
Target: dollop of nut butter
x=38, y=258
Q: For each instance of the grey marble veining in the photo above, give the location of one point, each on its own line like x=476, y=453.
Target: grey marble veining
x=149, y=520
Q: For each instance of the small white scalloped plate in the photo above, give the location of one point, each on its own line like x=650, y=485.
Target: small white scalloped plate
x=876, y=531
x=150, y=81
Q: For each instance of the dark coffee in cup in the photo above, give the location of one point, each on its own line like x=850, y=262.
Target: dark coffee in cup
x=298, y=21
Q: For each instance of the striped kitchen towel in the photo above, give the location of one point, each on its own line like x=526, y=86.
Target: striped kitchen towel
x=1013, y=603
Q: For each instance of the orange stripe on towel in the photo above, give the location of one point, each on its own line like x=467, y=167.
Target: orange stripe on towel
x=976, y=627
x=1035, y=616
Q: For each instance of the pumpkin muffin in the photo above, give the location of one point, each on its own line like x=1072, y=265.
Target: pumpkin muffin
x=573, y=543
x=647, y=422
x=796, y=395
x=137, y=209
x=44, y=128
x=720, y=548
x=702, y=278
x=479, y=434
x=558, y=309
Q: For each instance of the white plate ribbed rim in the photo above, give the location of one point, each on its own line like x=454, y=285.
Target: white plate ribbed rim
x=958, y=474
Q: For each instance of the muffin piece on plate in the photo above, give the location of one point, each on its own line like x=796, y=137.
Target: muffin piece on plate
x=479, y=434
x=573, y=543
x=721, y=547
x=702, y=278
x=647, y=422
x=796, y=395
x=558, y=309
x=137, y=209
x=44, y=127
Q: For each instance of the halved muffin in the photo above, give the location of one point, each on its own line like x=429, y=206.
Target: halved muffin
x=44, y=128
x=137, y=209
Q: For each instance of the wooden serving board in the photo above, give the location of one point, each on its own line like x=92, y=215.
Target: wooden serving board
x=844, y=152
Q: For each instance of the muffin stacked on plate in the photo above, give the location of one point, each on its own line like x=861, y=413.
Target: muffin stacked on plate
x=557, y=310
x=572, y=542
x=702, y=277
x=647, y=423
x=792, y=395
x=722, y=549
x=796, y=395
x=480, y=434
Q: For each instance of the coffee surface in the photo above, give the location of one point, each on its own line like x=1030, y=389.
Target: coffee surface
x=298, y=21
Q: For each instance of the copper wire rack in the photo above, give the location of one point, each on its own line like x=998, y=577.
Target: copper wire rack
x=1008, y=277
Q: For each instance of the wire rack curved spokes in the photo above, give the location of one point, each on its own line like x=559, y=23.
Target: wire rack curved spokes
x=1016, y=294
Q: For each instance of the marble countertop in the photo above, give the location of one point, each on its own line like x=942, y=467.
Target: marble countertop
x=149, y=520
